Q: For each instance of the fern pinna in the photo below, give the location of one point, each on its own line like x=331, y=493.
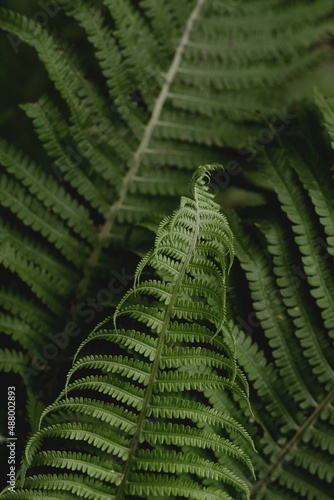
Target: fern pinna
x=133, y=420
x=285, y=337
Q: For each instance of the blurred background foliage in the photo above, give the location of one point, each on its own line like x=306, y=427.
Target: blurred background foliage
x=23, y=77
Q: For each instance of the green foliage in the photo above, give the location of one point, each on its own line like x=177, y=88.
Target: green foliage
x=175, y=83
x=286, y=346
x=155, y=89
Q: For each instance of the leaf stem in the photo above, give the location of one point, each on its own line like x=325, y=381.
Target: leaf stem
x=259, y=486
x=135, y=162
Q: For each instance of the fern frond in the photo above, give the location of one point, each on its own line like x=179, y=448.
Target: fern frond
x=34, y=409
x=29, y=272
x=326, y=106
x=25, y=309
x=154, y=416
x=286, y=350
x=32, y=214
x=72, y=484
x=312, y=337
x=47, y=190
x=301, y=216
x=93, y=466
x=18, y=330
x=17, y=242
x=58, y=141
x=270, y=311
x=13, y=361
x=318, y=185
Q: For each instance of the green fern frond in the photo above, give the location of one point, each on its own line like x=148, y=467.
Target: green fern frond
x=34, y=409
x=47, y=190
x=326, y=106
x=286, y=349
x=154, y=417
x=301, y=215
x=311, y=334
x=317, y=184
x=19, y=331
x=271, y=312
x=33, y=215
x=13, y=361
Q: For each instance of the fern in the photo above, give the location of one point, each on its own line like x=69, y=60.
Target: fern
x=179, y=81
x=286, y=346
x=135, y=408
x=175, y=83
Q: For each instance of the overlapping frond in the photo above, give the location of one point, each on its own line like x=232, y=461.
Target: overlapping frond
x=285, y=342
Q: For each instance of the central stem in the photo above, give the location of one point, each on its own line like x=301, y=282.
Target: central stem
x=140, y=152
x=155, y=367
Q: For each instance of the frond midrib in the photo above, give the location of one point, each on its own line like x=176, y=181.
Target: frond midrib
x=136, y=161
x=159, y=350
x=292, y=443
